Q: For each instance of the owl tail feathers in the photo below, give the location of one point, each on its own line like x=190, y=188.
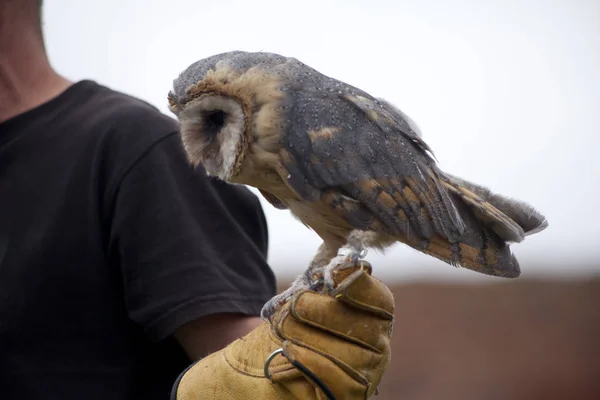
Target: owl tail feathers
x=491, y=222
x=487, y=256
x=512, y=220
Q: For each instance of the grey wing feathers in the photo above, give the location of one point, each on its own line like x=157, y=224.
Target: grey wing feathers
x=395, y=119
x=412, y=124
x=369, y=156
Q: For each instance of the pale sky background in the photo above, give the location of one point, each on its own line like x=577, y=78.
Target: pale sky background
x=507, y=93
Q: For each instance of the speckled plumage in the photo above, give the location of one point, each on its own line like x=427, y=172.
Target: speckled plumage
x=352, y=167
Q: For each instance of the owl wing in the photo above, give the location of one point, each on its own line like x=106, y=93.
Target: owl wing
x=273, y=200
x=387, y=117
x=354, y=148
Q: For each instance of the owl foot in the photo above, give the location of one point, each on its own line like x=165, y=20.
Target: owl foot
x=348, y=257
x=304, y=281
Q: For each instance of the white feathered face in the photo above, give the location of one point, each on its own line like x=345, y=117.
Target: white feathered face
x=230, y=120
x=212, y=131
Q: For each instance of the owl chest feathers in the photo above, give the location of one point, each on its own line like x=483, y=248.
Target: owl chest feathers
x=321, y=218
x=263, y=170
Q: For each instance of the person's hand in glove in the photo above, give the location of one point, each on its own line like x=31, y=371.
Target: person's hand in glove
x=340, y=343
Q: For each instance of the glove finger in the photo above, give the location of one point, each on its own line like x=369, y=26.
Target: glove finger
x=341, y=385
x=369, y=330
x=357, y=357
x=363, y=291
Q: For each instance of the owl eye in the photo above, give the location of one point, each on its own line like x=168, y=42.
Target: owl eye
x=214, y=122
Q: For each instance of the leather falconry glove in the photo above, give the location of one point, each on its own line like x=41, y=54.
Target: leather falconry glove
x=316, y=347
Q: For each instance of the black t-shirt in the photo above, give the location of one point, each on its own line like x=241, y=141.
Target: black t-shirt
x=108, y=242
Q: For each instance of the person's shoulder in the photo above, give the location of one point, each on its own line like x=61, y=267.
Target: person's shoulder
x=116, y=131
x=124, y=114
x=120, y=126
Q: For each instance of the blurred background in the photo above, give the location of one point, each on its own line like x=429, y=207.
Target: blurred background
x=507, y=93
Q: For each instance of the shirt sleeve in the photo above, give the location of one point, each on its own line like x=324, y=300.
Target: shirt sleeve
x=187, y=245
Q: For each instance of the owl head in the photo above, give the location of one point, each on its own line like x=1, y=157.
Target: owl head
x=228, y=108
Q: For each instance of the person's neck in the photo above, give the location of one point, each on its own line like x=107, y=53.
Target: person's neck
x=26, y=78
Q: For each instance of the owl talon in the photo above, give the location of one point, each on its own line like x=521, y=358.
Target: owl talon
x=347, y=258
x=275, y=303
x=317, y=286
x=268, y=309
x=302, y=282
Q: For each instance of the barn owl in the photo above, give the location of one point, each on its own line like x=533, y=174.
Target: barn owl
x=351, y=166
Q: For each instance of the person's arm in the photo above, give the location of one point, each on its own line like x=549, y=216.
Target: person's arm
x=316, y=347
x=206, y=335
x=192, y=251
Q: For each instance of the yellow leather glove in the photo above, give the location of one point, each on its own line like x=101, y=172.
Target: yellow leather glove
x=341, y=341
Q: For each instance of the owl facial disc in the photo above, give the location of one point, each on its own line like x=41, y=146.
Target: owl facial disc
x=211, y=129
